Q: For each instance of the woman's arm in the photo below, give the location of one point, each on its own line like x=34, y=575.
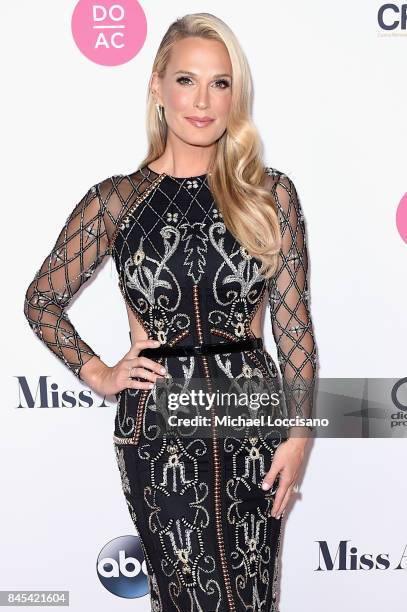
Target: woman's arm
x=79, y=249
x=288, y=296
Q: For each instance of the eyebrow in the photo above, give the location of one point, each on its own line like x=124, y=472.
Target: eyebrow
x=215, y=76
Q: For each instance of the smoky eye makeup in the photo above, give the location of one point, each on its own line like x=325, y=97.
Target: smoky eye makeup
x=181, y=79
x=221, y=83
x=225, y=83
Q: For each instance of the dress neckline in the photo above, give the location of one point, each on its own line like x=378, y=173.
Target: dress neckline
x=178, y=178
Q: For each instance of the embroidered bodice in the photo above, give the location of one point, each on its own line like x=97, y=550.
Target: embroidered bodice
x=171, y=247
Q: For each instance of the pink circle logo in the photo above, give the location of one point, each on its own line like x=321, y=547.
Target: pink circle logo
x=107, y=32
x=401, y=217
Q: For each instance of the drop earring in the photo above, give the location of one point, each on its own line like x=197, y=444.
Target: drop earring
x=159, y=111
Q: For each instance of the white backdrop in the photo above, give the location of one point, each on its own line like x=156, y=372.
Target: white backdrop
x=330, y=101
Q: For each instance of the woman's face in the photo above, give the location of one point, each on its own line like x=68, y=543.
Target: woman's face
x=197, y=83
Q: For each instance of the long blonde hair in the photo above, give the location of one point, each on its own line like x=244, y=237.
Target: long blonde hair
x=237, y=171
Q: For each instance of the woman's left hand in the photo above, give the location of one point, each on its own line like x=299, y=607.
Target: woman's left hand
x=286, y=462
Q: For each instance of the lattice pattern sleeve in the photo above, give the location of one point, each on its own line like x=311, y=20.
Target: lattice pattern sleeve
x=79, y=249
x=288, y=296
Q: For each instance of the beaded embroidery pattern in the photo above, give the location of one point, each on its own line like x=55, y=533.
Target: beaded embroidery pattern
x=208, y=536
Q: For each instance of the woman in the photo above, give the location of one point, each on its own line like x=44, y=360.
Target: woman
x=202, y=235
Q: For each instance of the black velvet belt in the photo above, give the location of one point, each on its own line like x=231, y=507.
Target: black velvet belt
x=203, y=349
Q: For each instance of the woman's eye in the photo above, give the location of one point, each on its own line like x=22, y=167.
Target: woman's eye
x=221, y=83
x=183, y=79
x=224, y=82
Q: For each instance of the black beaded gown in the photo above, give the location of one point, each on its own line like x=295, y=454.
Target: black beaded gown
x=205, y=524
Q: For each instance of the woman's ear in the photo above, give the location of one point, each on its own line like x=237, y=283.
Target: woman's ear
x=155, y=88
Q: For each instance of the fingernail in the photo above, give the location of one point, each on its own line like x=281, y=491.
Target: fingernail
x=265, y=486
x=162, y=370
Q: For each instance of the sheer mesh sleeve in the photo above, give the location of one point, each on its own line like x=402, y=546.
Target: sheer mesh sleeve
x=288, y=296
x=79, y=249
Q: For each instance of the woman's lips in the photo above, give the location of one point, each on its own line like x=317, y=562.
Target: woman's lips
x=199, y=124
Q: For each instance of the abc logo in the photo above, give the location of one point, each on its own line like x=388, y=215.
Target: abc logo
x=121, y=567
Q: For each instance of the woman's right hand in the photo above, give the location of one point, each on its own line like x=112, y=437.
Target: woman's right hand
x=106, y=380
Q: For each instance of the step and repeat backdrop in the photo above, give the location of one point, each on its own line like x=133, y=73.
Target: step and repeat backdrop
x=330, y=104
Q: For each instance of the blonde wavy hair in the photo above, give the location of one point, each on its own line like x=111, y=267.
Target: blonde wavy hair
x=237, y=171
